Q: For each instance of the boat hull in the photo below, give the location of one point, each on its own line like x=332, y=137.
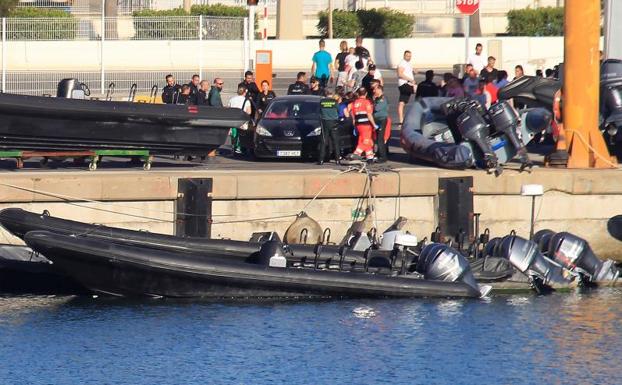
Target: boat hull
x=123, y=270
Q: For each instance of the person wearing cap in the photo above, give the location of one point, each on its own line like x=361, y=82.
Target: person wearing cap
x=315, y=88
x=372, y=74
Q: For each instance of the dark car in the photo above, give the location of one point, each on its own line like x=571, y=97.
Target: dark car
x=291, y=128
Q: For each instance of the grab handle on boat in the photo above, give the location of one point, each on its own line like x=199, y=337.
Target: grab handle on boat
x=436, y=235
x=110, y=91
x=132, y=94
x=342, y=255
x=326, y=236
x=317, y=251
x=153, y=94
x=304, y=233
x=86, y=89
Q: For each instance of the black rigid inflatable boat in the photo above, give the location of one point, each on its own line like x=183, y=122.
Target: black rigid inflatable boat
x=23, y=271
x=60, y=124
x=124, y=270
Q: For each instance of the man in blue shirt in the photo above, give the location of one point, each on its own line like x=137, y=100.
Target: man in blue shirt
x=322, y=67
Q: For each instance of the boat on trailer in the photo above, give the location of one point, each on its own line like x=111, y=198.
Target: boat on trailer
x=38, y=123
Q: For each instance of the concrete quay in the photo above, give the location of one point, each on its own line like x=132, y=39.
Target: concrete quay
x=248, y=200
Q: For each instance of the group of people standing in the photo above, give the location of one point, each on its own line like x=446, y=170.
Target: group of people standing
x=197, y=92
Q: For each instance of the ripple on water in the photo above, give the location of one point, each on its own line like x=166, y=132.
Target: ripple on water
x=560, y=338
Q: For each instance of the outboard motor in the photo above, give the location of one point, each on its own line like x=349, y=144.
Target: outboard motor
x=611, y=96
x=505, y=119
x=576, y=255
x=71, y=89
x=525, y=256
x=440, y=262
x=474, y=128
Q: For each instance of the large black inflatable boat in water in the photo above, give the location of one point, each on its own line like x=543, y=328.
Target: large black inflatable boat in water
x=125, y=262
x=507, y=264
x=125, y=270
x=66, y=124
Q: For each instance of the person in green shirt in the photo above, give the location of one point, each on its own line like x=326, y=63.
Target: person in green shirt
x=329, y=115
x=381, y=114
x=213, y=98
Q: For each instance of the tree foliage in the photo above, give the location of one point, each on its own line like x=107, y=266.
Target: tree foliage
x=547, y=21
x=376, y=23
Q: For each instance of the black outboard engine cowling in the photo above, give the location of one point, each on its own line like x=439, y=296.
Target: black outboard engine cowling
x=575, y=254
x=505, y=119
x=611, y=96
x=440, y=262
x=474, y=128
x=70, y=89
x=525, y=256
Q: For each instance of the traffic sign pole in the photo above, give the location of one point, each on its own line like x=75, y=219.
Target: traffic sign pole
x=467, y=8
x=467, y=35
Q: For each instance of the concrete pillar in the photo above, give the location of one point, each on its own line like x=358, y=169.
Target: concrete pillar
x=289, y=20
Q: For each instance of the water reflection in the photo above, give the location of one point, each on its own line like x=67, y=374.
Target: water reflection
x=560, y=338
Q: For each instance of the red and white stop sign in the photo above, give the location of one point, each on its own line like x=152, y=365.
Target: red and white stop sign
x=467, y=7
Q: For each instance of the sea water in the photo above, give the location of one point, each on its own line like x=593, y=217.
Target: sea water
x=571, y=338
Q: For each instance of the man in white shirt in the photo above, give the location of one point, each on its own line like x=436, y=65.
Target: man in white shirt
x=239, y=101
x=405, y=82
x=477, y=60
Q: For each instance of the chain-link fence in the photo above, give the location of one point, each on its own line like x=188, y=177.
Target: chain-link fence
x=126, y=28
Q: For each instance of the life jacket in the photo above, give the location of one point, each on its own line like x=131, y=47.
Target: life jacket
x=359, y=110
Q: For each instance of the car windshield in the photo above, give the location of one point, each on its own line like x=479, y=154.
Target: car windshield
x=290, y=109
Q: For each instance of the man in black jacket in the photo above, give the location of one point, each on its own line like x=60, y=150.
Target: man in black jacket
x=251, y=89
x=427, y=87
x=171, y=91
x=194, y=89
x=300, y=87
x=201, y=97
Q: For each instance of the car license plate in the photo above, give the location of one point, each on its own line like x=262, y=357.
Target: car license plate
x=288, y=153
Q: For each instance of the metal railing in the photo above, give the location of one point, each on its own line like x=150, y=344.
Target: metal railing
x=45, y=82
x=126, y=28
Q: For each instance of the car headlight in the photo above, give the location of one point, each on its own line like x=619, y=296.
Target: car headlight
x=261, y=131
x=316, y=132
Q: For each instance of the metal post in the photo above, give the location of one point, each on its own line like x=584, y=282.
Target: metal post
x=251, y=34
x=246, y=45
x=330, y=19
x=533, y=216
x=4, y=54
x=467, y=35
x=201, y=47
x=103, y=38
x=582, y=85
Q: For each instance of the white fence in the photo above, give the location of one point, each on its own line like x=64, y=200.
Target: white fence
x=125, y=28
x=54, y=39
x=310, y=7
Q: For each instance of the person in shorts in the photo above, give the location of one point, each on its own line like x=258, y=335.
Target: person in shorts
x=406, y=84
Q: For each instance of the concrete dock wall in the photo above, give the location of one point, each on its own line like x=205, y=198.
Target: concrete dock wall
x=580, y=201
